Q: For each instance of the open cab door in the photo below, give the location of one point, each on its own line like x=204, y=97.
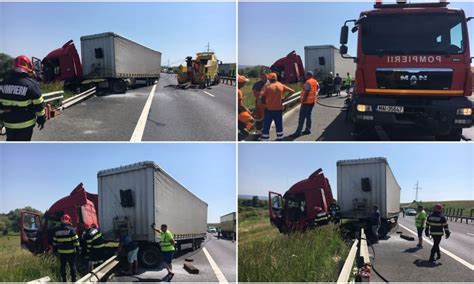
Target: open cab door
x=30, y=225
x=276, y=211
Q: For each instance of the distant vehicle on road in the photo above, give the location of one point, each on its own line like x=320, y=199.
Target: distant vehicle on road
x=202, y=71
x=212, y=230
x=410, y=212
x=408, y=77
x=109, y=61
x=228, y=225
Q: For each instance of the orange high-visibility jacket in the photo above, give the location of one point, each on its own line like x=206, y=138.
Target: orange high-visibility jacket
x=311, y=99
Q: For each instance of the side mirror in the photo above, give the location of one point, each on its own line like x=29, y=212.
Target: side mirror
x=343, y=49
x=468, y=19
x=344, y=35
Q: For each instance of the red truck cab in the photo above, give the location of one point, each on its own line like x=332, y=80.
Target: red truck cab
x=62, y=64
x=413, y=68
x=297, y=209
x=289, y=68
x=36, y=234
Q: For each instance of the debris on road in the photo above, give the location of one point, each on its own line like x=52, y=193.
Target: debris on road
x=190, y=268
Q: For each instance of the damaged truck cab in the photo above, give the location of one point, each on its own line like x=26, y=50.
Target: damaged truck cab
x=298, y=208
x=413, y=69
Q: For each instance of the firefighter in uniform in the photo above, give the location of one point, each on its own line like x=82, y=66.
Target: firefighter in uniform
x=335, y=211
x=21, y=102
x=436, y=226
x=321, y=217
x=95, y=244
x=66, y=243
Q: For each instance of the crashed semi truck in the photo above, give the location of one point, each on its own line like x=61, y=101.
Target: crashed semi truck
x=228, y=225
x=130, y=198
x=412, y=69
x=361, y=184
x=289, y=69
x=109, y=61
x=324, y=59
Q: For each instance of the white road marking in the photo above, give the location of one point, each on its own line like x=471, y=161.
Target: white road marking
x=457, y=258
x=470, y=234
x=140, y=127
x=220, y=276
x=209, y=94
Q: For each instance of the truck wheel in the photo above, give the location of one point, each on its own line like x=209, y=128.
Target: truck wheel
x=119, y=87
x=149, y=256
x=454, y=135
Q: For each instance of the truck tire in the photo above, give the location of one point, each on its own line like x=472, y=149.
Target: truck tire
x=453, y=135
x=119, y=87
x=149, y=256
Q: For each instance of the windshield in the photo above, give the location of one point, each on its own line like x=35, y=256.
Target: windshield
x=413, y=34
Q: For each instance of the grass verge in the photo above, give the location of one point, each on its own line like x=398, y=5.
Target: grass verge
x=266, y=255
x=249, y=98
x=19, y=265
x=53, y=87
x=466, y=205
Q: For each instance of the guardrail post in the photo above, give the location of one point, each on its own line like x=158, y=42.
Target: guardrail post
x=472, y=212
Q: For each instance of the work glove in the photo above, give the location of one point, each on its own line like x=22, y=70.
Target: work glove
x=448, y=233
x=41, y=120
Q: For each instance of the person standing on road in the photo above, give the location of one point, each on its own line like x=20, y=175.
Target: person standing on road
x=259, y=109
x=94, y=244
x=348, y=83
x=66, y=244
x=437, y=226
x=337, y=84
x=272, y=99
x=167, y=244
x=375, y=221
x=130, y=247
x=242, y=80
x=420, y=221
x=21, y=102
x=309, y=94
x=335, y=212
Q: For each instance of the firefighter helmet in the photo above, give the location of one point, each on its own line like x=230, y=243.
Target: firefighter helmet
x=23, y=64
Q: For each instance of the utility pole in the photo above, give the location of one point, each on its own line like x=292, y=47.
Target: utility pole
x=168, y=63
x=416, y=188
x=208, y=47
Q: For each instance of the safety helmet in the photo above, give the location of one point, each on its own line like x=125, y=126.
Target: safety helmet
x=243, y=79
x=23, y=64
x=66, y=219
x=438, y=207
x=272, y=76
x=310, y=73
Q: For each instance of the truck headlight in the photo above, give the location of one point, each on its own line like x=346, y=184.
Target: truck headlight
x=364, y=108
x=464, y=111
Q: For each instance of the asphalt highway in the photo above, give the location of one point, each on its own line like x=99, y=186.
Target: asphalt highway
x=155, y=113
x=215, y=261
x=329, y=123
x=399, y=260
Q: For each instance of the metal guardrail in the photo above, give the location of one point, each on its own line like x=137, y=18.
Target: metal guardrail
x=78, y=98
x=98, y=273
x=40, y=280
x=228, y=80
x=455, y=214
x=359, y=251
x=53, y=96
x=291, y=100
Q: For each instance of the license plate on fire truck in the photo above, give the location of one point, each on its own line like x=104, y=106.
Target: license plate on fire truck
x=394, y=109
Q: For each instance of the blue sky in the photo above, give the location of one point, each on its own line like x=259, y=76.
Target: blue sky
x=269, y=31
x=175, y=29
x=444, y=171
x=40, y=174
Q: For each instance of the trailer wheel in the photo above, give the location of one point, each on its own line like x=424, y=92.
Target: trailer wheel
x=149, y=256
x=119, y=87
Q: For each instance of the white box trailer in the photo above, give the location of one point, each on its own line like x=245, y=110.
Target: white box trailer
x=322, y=59
x=136, y=196
x=228, y=225
x=364, y=183
x=112, y=56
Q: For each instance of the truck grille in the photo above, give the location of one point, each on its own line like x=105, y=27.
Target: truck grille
x=414, y=78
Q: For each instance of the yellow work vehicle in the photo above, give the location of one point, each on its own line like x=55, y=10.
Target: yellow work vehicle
x=202, y=71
